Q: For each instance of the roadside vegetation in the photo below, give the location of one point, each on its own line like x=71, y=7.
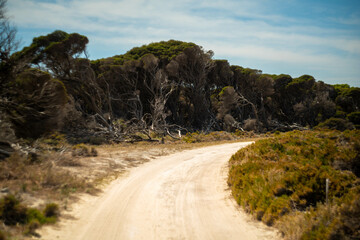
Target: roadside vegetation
x=282, y=182
x=14, y=213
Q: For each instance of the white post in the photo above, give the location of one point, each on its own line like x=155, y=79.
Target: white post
x=327, y=191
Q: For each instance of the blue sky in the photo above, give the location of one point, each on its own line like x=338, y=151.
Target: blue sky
x=316, y=37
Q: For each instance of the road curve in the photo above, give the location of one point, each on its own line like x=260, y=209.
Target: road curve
x=180, y=196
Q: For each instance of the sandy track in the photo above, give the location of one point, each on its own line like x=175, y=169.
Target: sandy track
x=181, y=196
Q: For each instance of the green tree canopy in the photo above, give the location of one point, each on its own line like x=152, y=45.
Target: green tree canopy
x=56, y=51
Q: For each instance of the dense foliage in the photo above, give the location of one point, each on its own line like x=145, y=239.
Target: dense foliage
x=165, y=50
x=283, y=179
x=162, y=87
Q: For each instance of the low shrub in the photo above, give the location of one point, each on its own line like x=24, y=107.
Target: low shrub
x=83, y=150
x=335, y=124
x=31, y=227
x=195, y=137
x=97, y=140
x=13, y=212
x=51, y=210
x=282, y=179
x=55, y=139
x=354, y=117
x=192, y=137
x=34, y=214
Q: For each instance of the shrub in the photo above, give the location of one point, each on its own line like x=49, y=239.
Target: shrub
x=192, y=137
x=34, y=214
x=51, y=210
x=281, y=181
x=211, y=137
x=83, y=150
x=97, y=140
x=354, y=117
x=336, y=124
x=55, y=138
x=11, y=211
x=93, y=152
x=31, y=227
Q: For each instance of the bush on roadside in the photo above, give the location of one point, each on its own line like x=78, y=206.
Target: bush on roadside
x=13, y=212
x=51, y=210
x=195, y=137
x=281, y=181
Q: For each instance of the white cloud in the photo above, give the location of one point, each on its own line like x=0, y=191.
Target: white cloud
x=230, y=28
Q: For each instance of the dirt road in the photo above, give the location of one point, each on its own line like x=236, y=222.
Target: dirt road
x=180, y=196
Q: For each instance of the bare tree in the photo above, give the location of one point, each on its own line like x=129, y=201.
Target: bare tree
x=160, y=88
x=8, y=44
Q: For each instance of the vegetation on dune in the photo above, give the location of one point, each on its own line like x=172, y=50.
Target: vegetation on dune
x=281, y=181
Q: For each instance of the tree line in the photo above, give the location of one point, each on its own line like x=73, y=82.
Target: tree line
x=162, y=87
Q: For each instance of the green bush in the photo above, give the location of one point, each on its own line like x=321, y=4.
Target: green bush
x=284, y=178
x=354, y=117
x=11, y=211
x=34, y=214
x=192, y=137
x=51, y=210
x=55, y=139
x=335, y=124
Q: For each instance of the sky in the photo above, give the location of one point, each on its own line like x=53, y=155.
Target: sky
x=316, y=37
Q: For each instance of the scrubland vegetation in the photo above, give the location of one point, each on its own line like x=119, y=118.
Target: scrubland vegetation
x=58, y=108
x=281, y=181
x=12, y=213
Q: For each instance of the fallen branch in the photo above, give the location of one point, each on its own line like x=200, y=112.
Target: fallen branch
x=6, y=153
